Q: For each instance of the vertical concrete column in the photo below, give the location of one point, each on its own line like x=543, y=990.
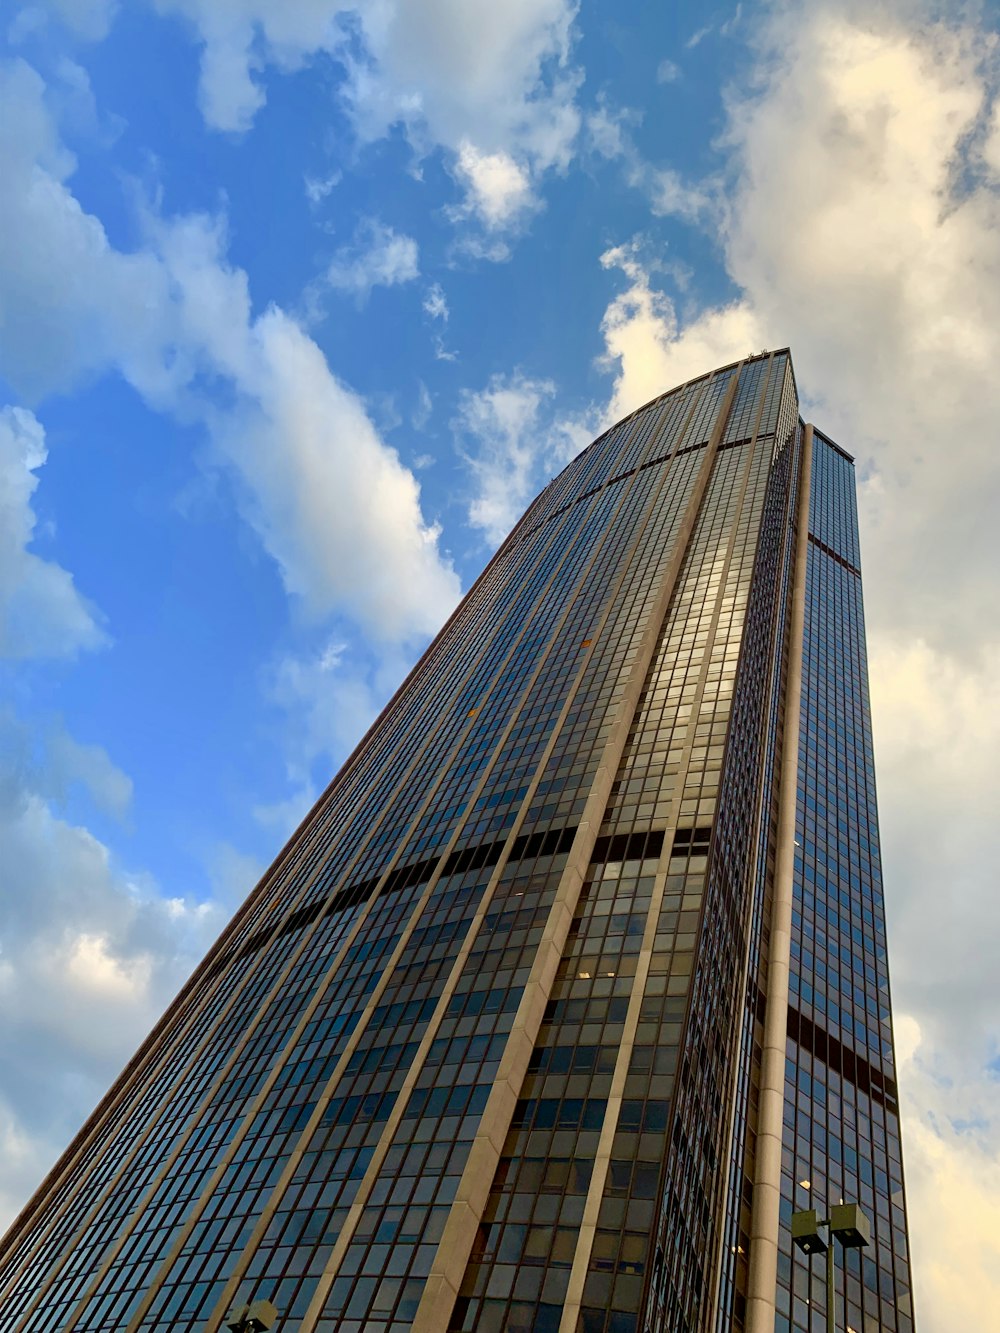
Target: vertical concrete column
x=767, y=1156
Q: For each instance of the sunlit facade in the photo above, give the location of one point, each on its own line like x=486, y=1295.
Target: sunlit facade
x=486, y=1048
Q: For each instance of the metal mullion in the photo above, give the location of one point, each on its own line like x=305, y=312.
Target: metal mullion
x=602, y=1161
x=99, y=1128
x=319, y=819
x=315, y=1308
x=442, y=1285
x=166, y=1263
x=264, y=1003
x=515, y=716
x=681, y=419
x=764, y=1223
x=689, y=1004
x=776, y=645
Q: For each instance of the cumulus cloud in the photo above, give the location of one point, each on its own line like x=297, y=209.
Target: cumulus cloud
x=41, y=612
x=498, y=189
x=377, y=257
x=69, y=303
x=435, y=303
x=885, y=285
x=492, y=85
x=89, y=953
x=498, y=76
x=512, y=439
x=330, y=695
x=609, y=134
x=951, y=1128
x=512, y=444
x=503, y=421
x=318, y=188
x=332, y=504
x=881, y=278
x=647, y=346
x=938, y=737
x=89, y=19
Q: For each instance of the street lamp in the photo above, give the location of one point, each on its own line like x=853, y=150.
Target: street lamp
x=255, y=1317
x=851, y=1227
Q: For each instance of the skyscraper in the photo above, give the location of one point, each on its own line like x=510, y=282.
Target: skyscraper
x=573, y=984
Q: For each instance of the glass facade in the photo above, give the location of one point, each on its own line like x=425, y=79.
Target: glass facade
x=482, y=1050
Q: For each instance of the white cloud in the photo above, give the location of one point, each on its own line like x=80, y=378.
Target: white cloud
x=319, y=188
x=881, y=279
x=328, y=693
x=937, y=733
x=419, y=418
x=669, y=195
x=512, y=445
x=282, y=817
x=951, y=1128
x=69, y=303
x=497, y=75
x=240, y=37
x=698, y=36
x=667, y=72
x=377, y=257
x=435, y=303
x=729, y=25
x=498, y=190
x=645, y=344
x=26, y=1158
x=441, y=352
x=89, y=19
x=900, y=258
x=503, y=422
x=41, y=612
x=607, y=129
x=495, y=79
x=89, y=954
x=330, y=696
x=68, y=762
x=332, y=504
x=513, y=442
x=724, y=29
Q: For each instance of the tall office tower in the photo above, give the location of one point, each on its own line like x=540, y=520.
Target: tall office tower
x=573, y=984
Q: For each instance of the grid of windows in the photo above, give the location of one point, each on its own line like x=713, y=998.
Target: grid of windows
x=841, y=1121
x=124, y=1281
x=555, y=801
x=841, y=1132
x=269, y=967
x=688, y=1233
x=668, y=779
x=309, y=1120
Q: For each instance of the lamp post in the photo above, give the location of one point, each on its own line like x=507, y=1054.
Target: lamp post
x=851, y=1227
x=255, y=1317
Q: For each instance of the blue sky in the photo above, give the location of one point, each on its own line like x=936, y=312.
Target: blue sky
x=300, y=305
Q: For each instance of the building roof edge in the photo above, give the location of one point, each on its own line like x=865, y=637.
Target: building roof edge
x=833, y=444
